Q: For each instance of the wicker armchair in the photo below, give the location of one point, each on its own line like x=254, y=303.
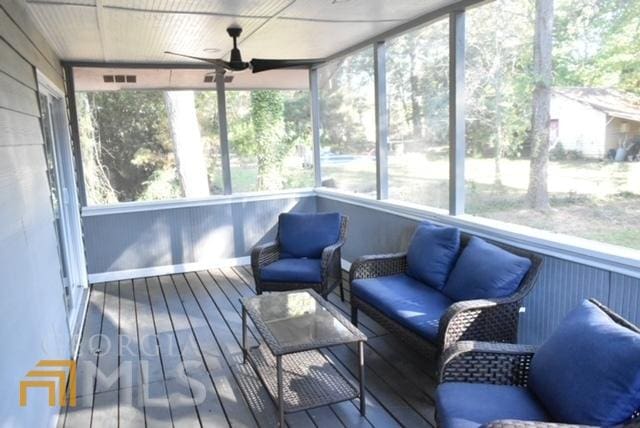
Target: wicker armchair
x=505, y=364
x=490, y=320
x=265, y=254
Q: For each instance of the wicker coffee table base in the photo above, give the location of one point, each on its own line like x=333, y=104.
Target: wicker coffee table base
x=301, y=377
x=308, y=379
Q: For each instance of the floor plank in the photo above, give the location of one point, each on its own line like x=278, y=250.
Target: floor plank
x=107, y=375
x=149, y=348
x=224, y=320
x=130, y=373
x=165, y=336
x=227, y=389
x=157, y=411
x=175, y=341
x=192, y=359
x=80, y=415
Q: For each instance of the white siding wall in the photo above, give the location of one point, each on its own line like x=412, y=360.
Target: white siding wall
x=32, y=314
x=580, y=127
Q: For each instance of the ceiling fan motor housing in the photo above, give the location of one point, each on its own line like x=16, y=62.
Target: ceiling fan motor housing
x=236, y=63
x=235, y=58
x=234, y=32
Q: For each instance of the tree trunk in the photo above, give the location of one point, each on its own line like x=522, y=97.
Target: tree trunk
x=538, y=194
x=188, y=147
x=497, y=80
x=416, y=113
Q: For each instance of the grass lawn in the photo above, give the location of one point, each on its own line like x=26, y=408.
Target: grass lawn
x=590, y=199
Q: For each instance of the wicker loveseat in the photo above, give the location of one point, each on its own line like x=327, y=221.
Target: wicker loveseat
x=305, y=254
x=486, y=319
x=586, y=374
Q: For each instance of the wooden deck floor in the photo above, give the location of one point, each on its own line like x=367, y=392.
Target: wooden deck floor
x=165, y=351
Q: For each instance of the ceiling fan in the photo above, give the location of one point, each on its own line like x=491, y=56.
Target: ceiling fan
x=256, y=65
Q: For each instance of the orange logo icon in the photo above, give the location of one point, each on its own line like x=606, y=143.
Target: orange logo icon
x=39, y=379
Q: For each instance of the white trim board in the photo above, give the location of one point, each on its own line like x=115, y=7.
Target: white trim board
x=166, y=269
x=238, y=198
x=81, y=318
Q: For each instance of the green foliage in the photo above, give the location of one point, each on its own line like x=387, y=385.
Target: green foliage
x=418, y=86
x=347, y=104
x=498, y=77
x=598, y=43
x=267, y=116
x=266, y=126
x=133, y=138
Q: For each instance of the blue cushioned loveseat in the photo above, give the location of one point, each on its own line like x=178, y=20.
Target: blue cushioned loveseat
x=586, y=374
x=448, y=286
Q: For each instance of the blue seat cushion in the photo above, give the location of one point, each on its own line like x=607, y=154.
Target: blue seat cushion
x=432, y=254
x=306, y=235
x=588, y=371
x=467, y=405
x=292, y=270
x=485, y=271
x=410, y=303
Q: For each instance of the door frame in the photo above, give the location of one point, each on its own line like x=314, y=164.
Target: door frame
x=70, y=215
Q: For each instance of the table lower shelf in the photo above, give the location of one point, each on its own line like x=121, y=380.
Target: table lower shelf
x=309, y=379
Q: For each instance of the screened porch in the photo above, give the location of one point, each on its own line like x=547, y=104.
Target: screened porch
x=140, y=166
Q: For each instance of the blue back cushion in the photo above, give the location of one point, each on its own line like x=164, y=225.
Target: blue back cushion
x=306, y=235
x=432, y=254
x=588, y=371
x=485, y=271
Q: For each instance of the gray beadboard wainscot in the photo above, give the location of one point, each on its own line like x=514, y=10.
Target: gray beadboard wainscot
x=180, y=235
x=562, y=284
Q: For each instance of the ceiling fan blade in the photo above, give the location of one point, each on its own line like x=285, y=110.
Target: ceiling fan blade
x=258, y=65
x=214, y=61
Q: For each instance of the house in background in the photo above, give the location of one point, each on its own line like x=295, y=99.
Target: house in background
x=593, y=121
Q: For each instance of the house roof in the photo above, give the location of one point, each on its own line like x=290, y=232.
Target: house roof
x=613, y=102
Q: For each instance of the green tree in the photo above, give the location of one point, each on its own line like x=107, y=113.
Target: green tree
x=597, y=44
x=267, y=116
x=498, y=79
x=267, y=125
x=418, y=92
x=132, y=143
x=346, y=104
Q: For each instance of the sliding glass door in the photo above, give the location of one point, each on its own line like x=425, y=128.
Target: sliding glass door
x=64, y=201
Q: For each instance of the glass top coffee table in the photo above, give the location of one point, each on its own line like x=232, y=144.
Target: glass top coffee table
x=294, y=326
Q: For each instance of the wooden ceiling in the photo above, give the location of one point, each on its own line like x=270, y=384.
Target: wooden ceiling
x=141, y=30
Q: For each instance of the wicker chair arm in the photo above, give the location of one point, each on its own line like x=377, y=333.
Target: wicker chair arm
x=487, y=320
x=483, y=362
x=328, y=253
x=264, y=254
x=512, y=423
x=378, y=265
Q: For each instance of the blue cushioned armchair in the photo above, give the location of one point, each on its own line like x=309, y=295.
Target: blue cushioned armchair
x=448, y=286
x=586, y=374
x=305, y=254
